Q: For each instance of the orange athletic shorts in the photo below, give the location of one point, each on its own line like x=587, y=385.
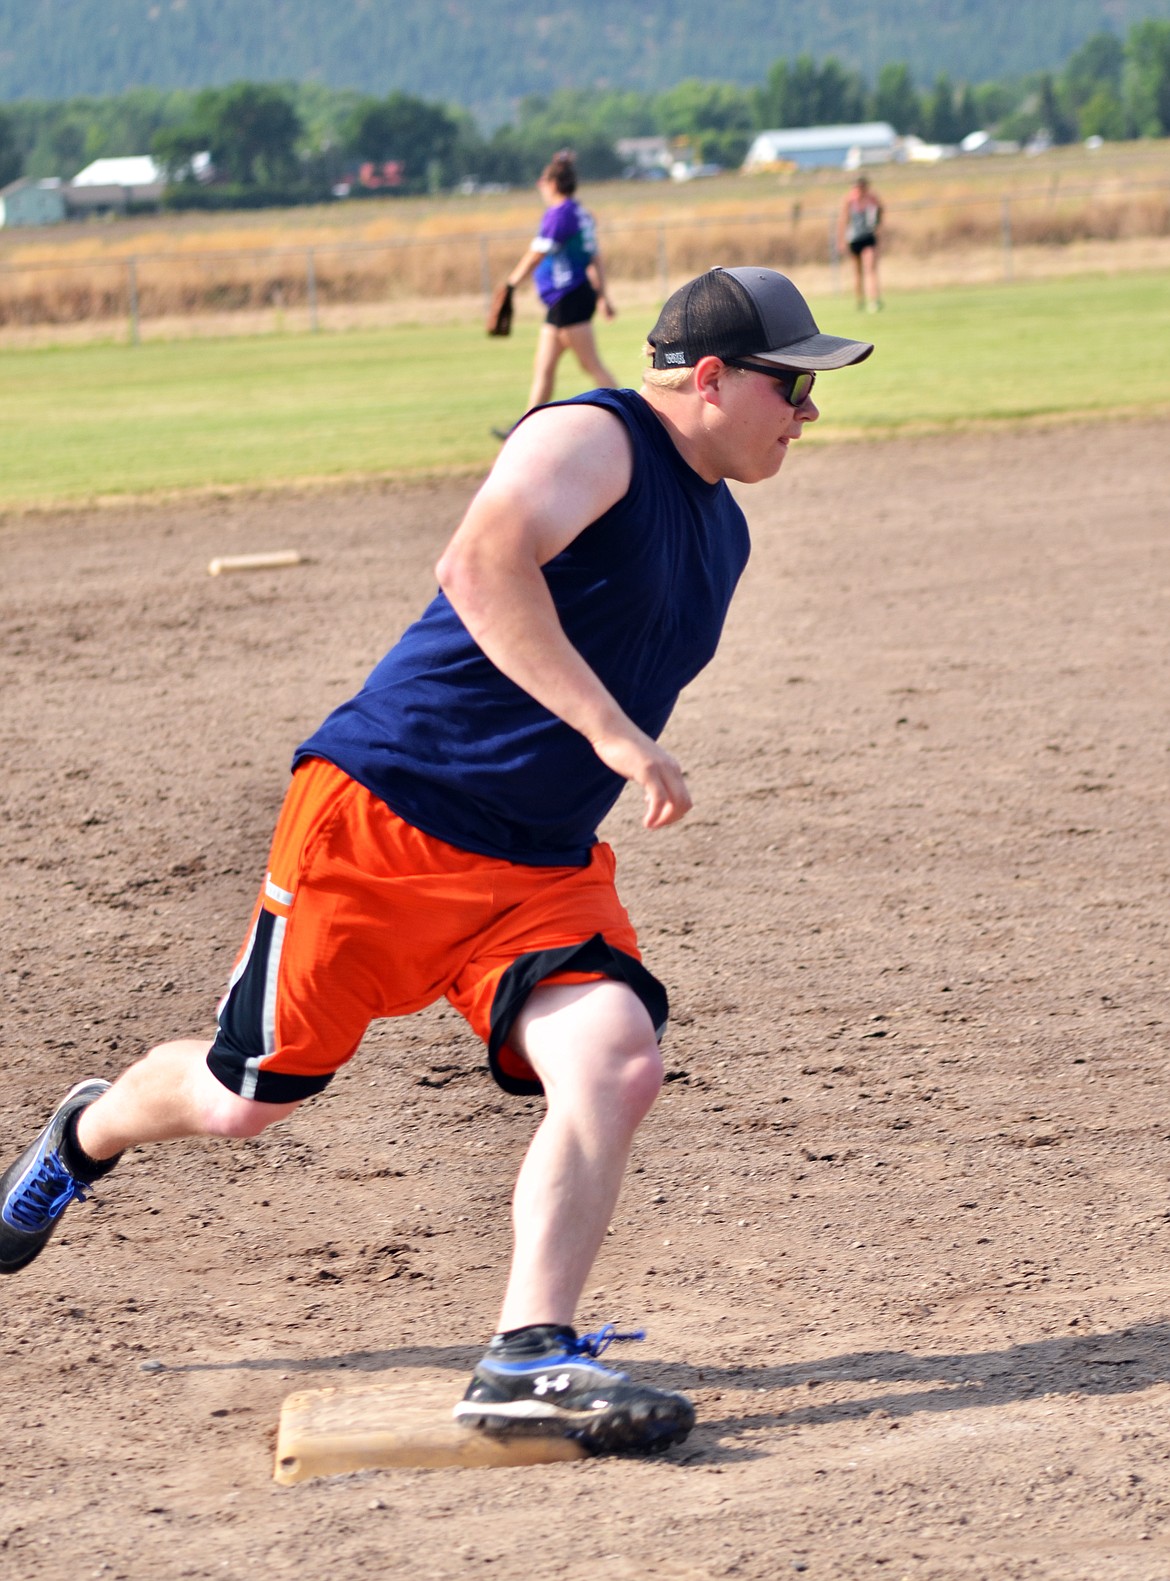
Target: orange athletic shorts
x=362, y=916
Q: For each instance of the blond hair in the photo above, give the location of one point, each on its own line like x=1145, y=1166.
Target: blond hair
x=669, y=378
x=662, y=378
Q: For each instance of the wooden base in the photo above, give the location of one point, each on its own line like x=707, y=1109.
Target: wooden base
x=327, y=1432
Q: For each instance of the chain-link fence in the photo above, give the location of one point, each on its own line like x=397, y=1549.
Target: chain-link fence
x=184, y=283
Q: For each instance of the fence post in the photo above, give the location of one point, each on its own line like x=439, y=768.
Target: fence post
x=1006, y=227
x=132, y=272
x=663, y=269
x=834, y=257
x=311, y=288
x=485, y=273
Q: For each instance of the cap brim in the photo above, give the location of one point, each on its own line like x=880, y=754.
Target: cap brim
x=817, y=353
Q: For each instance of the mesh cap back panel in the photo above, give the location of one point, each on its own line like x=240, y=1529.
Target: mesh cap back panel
x=713, y=316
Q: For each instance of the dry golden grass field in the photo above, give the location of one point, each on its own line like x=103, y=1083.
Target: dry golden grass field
x=371, y=261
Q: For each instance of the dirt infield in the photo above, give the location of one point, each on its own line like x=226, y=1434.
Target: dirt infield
x=899, y=1222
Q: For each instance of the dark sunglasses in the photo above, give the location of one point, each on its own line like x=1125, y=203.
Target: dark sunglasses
x=797, y=387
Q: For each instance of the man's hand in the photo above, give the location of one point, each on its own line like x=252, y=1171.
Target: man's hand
x=641, y=759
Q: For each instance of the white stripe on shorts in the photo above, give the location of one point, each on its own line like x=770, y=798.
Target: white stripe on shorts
x=270, y=976
x=238, y=970
x=274, y=892
x=251, y=1077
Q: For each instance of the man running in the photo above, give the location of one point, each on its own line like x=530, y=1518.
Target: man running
x=439, y=833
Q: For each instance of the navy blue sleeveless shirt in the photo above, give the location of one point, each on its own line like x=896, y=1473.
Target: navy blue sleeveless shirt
x=460, y=751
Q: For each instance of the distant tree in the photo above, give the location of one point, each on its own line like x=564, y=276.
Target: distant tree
x=1090, y=87
x=791, y=94
x=840, y=94
x=967, y=111
x=895, y=98
x=715, y=118
x=801, y=93
x=627, y=113
x=941, y=112
x=419, y=136
x=993, y=101
x=325, y=114
x=1103, y=116
x=618, y=113
x=126, y=123
x=69, y=145
x=569, y=118
x=515, y=156
x=1096, y=65
x=11, y=157
x=501, y=158
x=251, y=130
x=1147, y=78
x=597, y=159
x=174, y=147
x=694, y=106
x=1060, y=125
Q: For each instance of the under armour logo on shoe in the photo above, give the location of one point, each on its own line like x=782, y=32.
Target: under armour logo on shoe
x=546, y=1385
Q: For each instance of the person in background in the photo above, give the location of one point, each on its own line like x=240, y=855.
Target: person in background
x=569, y=279
x=857, y=228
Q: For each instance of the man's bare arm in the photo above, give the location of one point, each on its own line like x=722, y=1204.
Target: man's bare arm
x=560, y=471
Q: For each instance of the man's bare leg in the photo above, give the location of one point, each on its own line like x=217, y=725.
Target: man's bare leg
x=594, y=1049
x=169, y=1093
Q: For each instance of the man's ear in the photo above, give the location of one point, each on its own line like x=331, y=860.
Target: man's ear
x=711, y=374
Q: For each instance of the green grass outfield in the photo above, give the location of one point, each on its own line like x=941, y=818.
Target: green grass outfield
x=104, y=420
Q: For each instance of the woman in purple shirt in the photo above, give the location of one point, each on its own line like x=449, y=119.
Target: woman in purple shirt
x=569, y=280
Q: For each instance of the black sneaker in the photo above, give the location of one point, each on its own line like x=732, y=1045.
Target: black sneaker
x=561, y=1390
x=36, y=1190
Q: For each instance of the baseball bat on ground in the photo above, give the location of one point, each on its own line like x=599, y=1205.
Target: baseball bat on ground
x=255, y=562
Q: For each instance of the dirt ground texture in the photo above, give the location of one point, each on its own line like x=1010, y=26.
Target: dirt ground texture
x=899, y=1222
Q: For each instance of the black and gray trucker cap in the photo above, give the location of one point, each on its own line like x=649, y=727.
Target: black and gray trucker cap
x=751, y=312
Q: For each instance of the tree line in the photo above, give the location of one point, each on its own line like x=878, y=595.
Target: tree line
x=272, y=143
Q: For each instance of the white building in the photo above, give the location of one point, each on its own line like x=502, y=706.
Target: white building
x=983, y=143
x=110, y=186
x=136, y=170
x=26, y=202
x=913, y=150
x=846, y=147
x=645, y=155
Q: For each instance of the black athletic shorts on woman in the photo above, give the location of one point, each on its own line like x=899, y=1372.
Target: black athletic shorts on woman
x=575, y=307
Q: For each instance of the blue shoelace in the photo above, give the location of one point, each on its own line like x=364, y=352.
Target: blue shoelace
x=593, y=1344
x=45, y=1196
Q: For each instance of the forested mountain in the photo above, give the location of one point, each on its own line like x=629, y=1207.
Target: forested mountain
x=486, y=54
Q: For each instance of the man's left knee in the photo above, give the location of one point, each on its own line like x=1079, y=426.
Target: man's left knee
x=639, y=1079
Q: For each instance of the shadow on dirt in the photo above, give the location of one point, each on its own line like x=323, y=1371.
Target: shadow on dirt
x=1122, y=1362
